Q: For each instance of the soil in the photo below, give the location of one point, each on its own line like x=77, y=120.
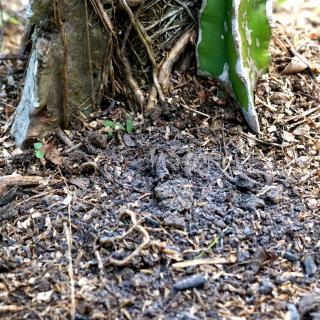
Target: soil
x=189, y=217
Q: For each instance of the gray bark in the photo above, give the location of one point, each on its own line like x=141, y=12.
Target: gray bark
x=42, y=106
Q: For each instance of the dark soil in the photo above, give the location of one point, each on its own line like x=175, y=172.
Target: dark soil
x=194, y=194
x=189, y=217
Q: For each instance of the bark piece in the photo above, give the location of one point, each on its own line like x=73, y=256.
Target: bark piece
x=63, y=67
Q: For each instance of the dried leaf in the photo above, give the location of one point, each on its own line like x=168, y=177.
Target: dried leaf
x=294, y=66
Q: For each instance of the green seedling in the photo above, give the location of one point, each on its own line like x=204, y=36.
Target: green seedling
x=37, y=150
x=233, y=45
x=212, y=244
x=113, y=126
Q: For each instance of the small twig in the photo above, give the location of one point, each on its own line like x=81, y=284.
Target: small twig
x=63, y=137
x=198, y=262
x=14, y=308
x=257, y=139
x=68, y=233
x=32, y=198
x=131, y=3
x=137, y=227
x=9, y=181
x=73, y=148
x=11, y=308
x=195, y=111
x=188, y=11
x=163, y=18
x=304, y=114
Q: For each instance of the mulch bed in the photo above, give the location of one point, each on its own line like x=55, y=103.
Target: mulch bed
x=189, y=217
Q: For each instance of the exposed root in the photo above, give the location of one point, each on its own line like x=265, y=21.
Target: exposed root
x=99, y=10
x=147, y=42
x=133, y=83
x=166, y=67
x=135, y=64
x=135, y=227
x=173, y=56
x=152, y=100
x=107, y=75
x=59, y=22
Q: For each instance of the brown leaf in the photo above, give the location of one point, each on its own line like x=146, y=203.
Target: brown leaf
x=296, y=65
x=52, y=154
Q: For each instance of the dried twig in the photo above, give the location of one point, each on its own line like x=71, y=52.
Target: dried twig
x=9, y=181
x=68, y=233
x=14, y=308
x=135, y=227
x=198, y=262
x=145, y=39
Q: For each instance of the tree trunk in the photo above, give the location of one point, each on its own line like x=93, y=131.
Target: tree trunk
x=85, y=51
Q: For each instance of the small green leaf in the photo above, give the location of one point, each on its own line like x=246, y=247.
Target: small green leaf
x=38, y=145
x=109, y=124
x=110, y=134
x=119, y=126
x=129, y=124
x=39, y=154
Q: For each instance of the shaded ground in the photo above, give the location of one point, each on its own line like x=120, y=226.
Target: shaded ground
x=189, y=194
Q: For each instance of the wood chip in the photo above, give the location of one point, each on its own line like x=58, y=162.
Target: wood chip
x=199, y=262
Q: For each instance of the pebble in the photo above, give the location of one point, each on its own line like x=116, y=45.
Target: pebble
x=259, y=257
x=310, y=267
x=187, y=316
x=243, y=255
x=252, y=204
x=243, y=182
x=293, y=312
x=127, y=140
x=161, y=170
x=248, y=231
x=274, y=195
x=175, y=221
x=194, y=281
x=219, y=223
x=266, y=286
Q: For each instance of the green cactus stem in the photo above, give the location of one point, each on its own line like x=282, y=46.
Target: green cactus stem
x=233, y=47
